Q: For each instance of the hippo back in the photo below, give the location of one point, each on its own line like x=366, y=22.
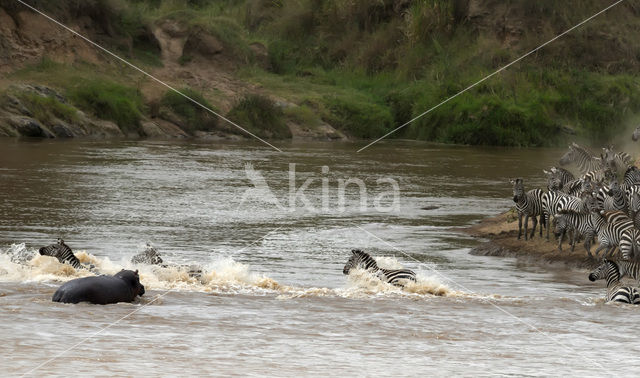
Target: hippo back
x=125, y=286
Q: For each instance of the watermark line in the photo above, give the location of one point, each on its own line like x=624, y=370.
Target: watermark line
x=492, y=74
x=127, y=315
x=485, y=300
x=148, y=74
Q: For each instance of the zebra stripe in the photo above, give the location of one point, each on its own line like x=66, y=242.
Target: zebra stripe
x=578, y=224
x=528, y=204
x=361, y=259
x=582, y=158
x=610, y=235
x=629, y=268
x=62, y=252
x=616, y=292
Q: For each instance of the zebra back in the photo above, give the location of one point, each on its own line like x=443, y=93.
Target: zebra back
x=360, y=259
x=616, y=292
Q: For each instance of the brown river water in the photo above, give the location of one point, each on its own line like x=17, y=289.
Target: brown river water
x=272, y=299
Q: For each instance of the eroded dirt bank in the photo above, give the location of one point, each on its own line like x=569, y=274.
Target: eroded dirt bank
x=501, y=232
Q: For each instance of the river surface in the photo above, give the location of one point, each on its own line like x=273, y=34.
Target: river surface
x=272, y=299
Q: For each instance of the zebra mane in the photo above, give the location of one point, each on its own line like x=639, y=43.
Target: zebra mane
x=611, y=262
x=363, y=256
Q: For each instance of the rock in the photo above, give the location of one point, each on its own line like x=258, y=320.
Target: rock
x=260, y=54
x=171, y=36
x=29, y=127
x=61, y=130
x=200, y=42
x=103, y=128
x=159, y=128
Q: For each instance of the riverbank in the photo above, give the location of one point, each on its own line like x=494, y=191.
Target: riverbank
x=501, y=232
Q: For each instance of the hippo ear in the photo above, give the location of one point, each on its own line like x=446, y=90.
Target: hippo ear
x=136, y=272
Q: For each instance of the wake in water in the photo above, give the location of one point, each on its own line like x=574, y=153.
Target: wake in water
x=222, y=276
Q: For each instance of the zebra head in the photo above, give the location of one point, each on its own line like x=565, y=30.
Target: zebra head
x=518, y=188
x=148, y=256
x=359, y=259
x=607, y=270
x=636, y=134
x=60, y=241
x=569, y=156
x=560, y=223
x=614, y=187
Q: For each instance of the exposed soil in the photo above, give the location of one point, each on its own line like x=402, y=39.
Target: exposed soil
x=501, y=232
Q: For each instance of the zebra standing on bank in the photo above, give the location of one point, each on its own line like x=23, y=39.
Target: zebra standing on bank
x=616, y=292
x=612, y=231
x=528, y=204
x=578, y=225
x=62, y=252
x=361, y=259
x=630, y=269
x=614, y=198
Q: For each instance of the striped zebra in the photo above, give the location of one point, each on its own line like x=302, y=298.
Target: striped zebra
x=616, y=292
x=528, y=204
x=361, y=259
x=557, y=178
x=610, y=234
x=630, y=243
x=614, y=198
x=616, y=160
x=636, y=134
x=62, y=252
x=629, y=268
x=582, y=158
x=631, y=176
x=554, y=202
x=634, y=208
x=578, y=225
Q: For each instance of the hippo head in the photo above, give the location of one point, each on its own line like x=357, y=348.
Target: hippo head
x=133, y=280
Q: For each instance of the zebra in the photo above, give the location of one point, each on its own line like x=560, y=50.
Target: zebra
x=636, y=134
x=554, y=202
x=578, y=224
x=613, y=199
x=558, y=178
x=148, y=256
x=615, y=160
x=616, y=292
x=630, y=243
x=582, y=158
x=528, y=204
x=361, y=259
x=611, y=233
x=62, y=252
x=634, y=208
x=629, y=268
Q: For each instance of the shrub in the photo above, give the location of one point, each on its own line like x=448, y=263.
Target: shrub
x=261, y=116
x=109, y=100
x=45, y=109
x=357, y=118
x=195, y=117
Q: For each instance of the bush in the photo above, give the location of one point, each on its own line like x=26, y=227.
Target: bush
x=195, y=117
x=261, y=116
x=112, y=101
x=360, y=119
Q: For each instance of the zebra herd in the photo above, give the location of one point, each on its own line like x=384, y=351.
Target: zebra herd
x=603, y=203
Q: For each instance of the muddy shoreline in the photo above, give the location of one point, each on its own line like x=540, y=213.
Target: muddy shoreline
x=500, y=233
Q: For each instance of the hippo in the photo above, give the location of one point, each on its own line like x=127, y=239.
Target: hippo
x=124, y=286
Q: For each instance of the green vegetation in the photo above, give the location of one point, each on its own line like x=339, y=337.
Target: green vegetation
x=260, y=116
x=45, y=109
x=109, y=100
x=367, y=67
x=194, y=116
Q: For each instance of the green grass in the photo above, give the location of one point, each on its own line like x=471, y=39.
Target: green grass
x=109, y=100
x=194, y=116
x=45, y=109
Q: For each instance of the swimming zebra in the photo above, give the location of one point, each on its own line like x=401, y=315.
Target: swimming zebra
x=62, y=252
x=148, y=256
x=528, y=204
x=582, y=158
x=361, y=259
x=616, y=292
